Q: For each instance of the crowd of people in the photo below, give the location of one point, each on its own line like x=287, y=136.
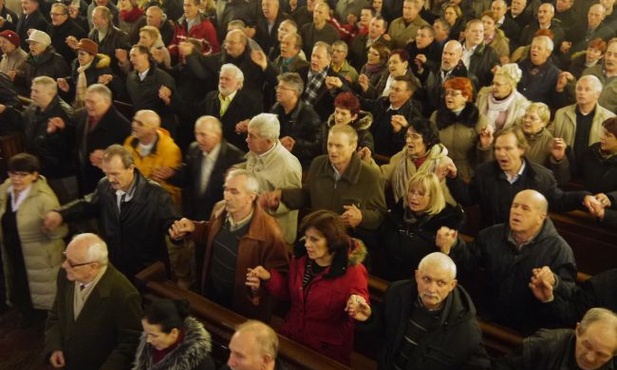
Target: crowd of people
x=280, y=150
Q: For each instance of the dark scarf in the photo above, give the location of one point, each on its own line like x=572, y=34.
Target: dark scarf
x=468, y=116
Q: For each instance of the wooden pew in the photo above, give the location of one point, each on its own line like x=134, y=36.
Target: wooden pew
x=220, y=322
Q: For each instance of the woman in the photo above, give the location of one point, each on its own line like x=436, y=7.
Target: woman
x=172, y=339
x=150, y=37
x=588, y=58
x=540, y=140
x=378, y=6
x=347, y=112
x=326, y=275
x=454, y=16
x=410, y=229
x=130, y=18
x=460, y=123
x=398, y=65
x=31, y=256
x=501, y=103
x=495, y=37
x=378, y=55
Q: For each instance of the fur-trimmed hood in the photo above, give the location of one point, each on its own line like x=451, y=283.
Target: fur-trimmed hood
x=468, y=117
x=362, y=123
x=190, y=354
x=356, y=253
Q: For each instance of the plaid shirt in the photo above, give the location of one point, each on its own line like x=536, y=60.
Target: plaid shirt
x=315, y=82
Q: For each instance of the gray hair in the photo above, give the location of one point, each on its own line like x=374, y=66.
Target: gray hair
x=233, y=69
x=265, y=337
x=96, y=251
x=550, y=45
x=594, y=81
x=325, y=45
x=118, y=150
x=267, y=126
x=606, y=316
x=441, y=260
x=101, y=90
x=252, y=185
x=47, y=82
x=217, y=126
x=342, y=44
x=293, y=79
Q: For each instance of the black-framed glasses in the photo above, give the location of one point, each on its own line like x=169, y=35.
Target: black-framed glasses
x=73, y=265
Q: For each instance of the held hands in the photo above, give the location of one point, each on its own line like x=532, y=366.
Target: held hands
x=270, y=199
x=333, y=82
x=563, y=80
x=255, y=276
x=258, y=57
x=444, y=168
x=358, y=308
x=486, y=137
x=72, y=42
x=451, y=170
x=165, y=94
x=594, y=206
x=288, y=142
x=181, y=228
x=445, y=239
x=604, y=200
x=54, y=124
x=365, y=154
x=398, y=122
x=242, y=127
x=352, y=216
x=542, y=283
x=57, y=359
x=363, y=81
x=162, y=173
x=63, y=84
x=52, y=220
x=558, y=148
x=96, y=158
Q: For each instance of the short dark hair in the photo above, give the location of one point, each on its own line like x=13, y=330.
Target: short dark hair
x=331, y=226
x=428, y=130
x=169, y=314
x=610, y=125
x=24, y=162
x=410, y=82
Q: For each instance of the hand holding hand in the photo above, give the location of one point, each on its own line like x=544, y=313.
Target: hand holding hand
x=165, y=94
x=352, y=216
x=270, y=199
x=161, y=174
x=398, y=122
x=358, y=308
x=54, y=124
x=365, y=154
x=255, y=276
x=181, y=228
x=96, y=157
x=63, y=84
x=445, y=239
x=242, y=127
x=259, y=57
x=558, y=148
x=57, y=359
x=486, y=137
x=52, y=220
x=287, y=142
x=542, y=283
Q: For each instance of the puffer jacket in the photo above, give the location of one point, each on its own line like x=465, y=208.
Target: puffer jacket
x=48, y=63
x=317, y=316
x=192, y=353
x=42, y=250
x=362, y=124
x=100, y=65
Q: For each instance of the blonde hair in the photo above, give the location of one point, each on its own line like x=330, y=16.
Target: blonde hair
x=429, y=182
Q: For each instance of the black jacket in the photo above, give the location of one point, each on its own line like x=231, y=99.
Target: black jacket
x=56, y=151
x=304, y=126
x=546, y=349
x=507, y=271
x=135, y=237
x=492, y=191
x=10, y=19
x=599, y=172
x=48, y=63
x=192, y=353
x=481, y=64
x=100, y=65
x=115, y=39
x=198, y=206
x=455, y=343
x=36, y=20
x=324, y=102
x=388, y=142
x=407, y=242
x=145, y=94
x=59, y=34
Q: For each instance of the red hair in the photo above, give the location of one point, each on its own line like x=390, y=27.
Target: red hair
x=347, y=101
x=462, y=84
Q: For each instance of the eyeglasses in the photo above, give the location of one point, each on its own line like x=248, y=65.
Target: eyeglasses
x=74, y=265
x=56, y=14
x=415, y=193
x=281, y=87
x=413, y=136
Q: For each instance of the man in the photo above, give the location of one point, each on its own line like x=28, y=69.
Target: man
x=360, y=44
x=546, y=13
x=49, y=134
x=61, y=27
x=442, y=31
x=110, y=5
x=8, y=18
x=112, y=41
x=253, y=346
x=95, y=319
x=231, y=103
x=606, y=72
x=274, y=167
x=41, y=61
x=405, y=28
x=155, y=17
x=509, y=252
x=349, y=11
x=569, y=306
x=495, y=183
x=31, y=18
x=479, y=58
x=300, y=124
x=239, y=235
x=429, y=316
x=592, y=345
x=98, y=126
x=13, y=56
x=320, y=81
x=143, y=85
x=424, y=52
x=287, y=26
x=195, y=25
x=510, y=28
x=153, y=150
x=542, y=80
x=594, y=28
x=290, y=59
x=579, y=125
x=569, y=19
x=340, y=182
x=340, y=64
x=88, y=68
x=319, y=29
x=367, y=14
x=234, y=9
x=268, y=22
x=520, y=13
x=133, y=213
x=392, y=114
x=432, y=79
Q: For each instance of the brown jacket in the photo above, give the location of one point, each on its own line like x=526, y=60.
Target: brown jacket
x=262, y=245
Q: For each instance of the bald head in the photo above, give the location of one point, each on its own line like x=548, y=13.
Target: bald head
x=451, y=55
x=144, y=126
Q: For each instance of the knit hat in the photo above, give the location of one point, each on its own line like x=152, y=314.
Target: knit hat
x=511, y=71
x=40, y=37
x=88, y=46
x=12, y=37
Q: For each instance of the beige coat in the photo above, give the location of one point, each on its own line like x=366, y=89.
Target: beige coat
x=516, y=110
x=42, y=250
x=401, y=34
x=564, y=125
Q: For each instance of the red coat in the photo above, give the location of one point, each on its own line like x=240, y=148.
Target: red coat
x=204, y=31
x=317, y=316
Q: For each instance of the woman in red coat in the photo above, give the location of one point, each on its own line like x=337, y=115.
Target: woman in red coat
x=326, y=278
